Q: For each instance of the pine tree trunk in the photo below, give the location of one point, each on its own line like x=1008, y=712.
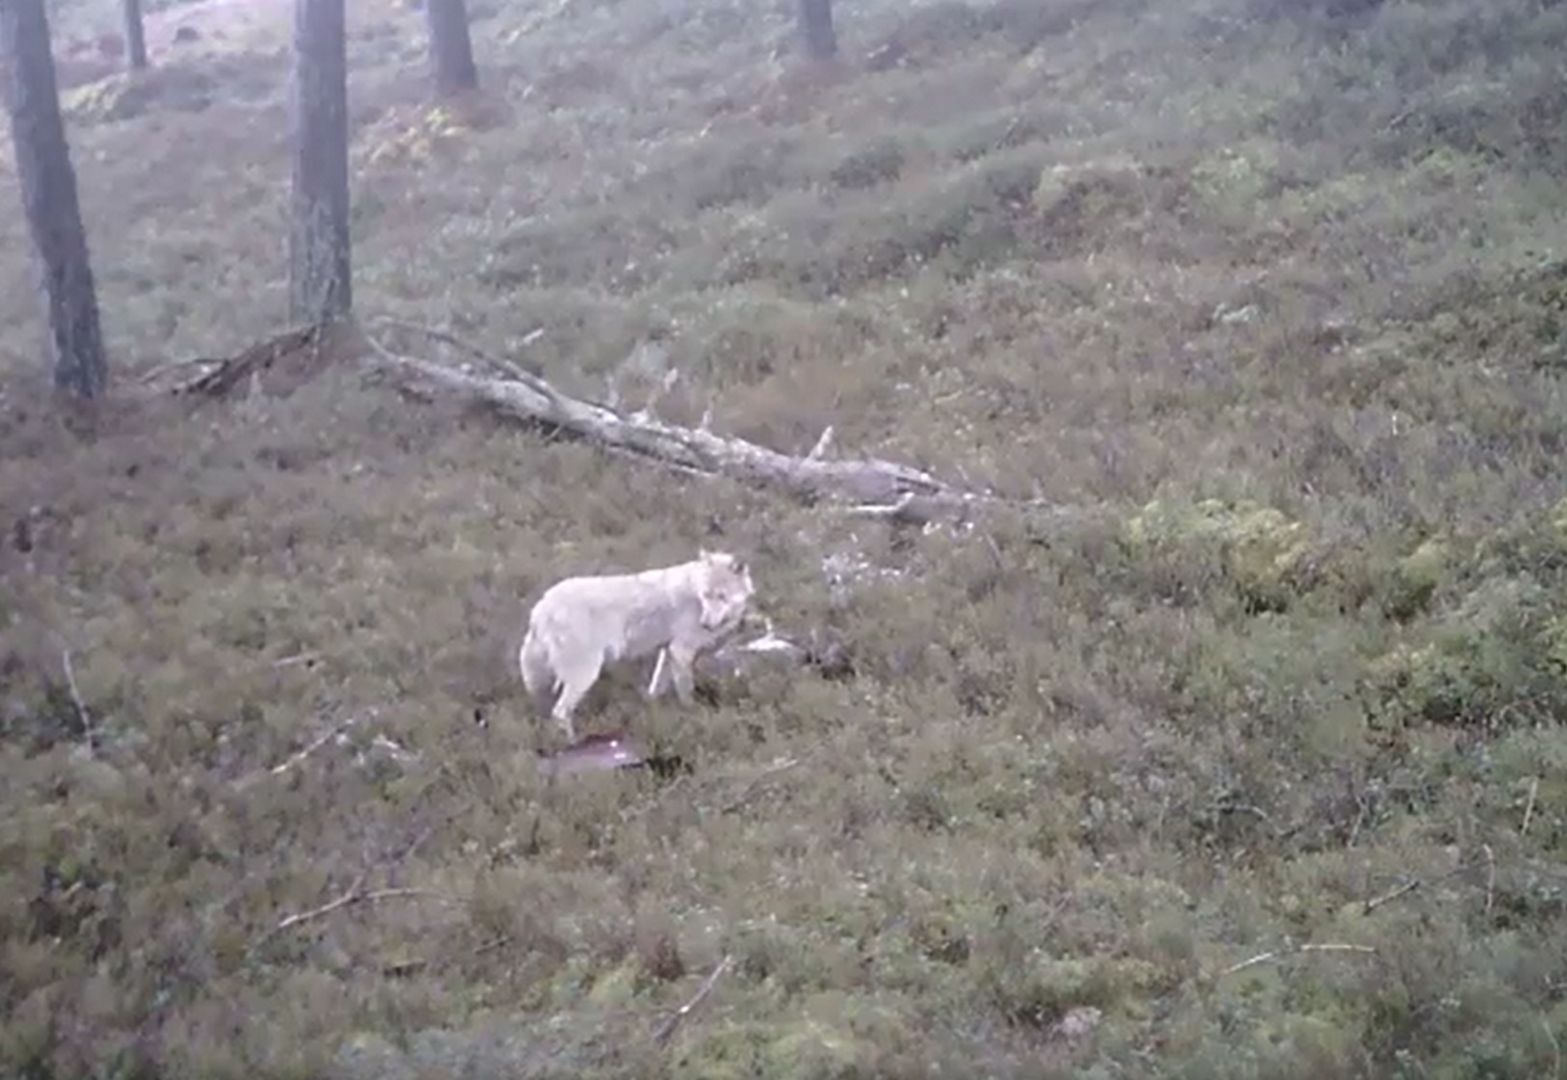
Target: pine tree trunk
x=135, y=38
x=816, y=31
x=48, y=183
x=451, y=48
x=320, y=265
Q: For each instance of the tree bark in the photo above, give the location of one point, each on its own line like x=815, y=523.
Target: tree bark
x=135, y=37
x=49, y=199
x=451, y=47
x=320, y=263
x=816, y=29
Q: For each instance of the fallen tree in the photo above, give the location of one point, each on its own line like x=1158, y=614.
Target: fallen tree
x=863, y=486
x=874, y=486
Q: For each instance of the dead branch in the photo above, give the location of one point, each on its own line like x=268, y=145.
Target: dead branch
x=1528, y=810
x=1490, y=876
x=1388, y=897
x=499, y=363
x=161, y=370
x=532, y=399
x=222, y=376
x=1364, y=807
x=1418, y=883
x=294, y=760
x=491, y=945
x=76, y=699
x=1225, y=806
x=324, y=910
x=357, y=894
x=757, y=781
x=667, y=1028
x=1280, y=954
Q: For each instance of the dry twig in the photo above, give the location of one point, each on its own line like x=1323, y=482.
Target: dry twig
x=1408, y=887
x=1279, y=954
x=76, y=699
x=500, y=363
x=178, y=365
x=1556, y=1049
x=1528, y=810
x=491, y=945
x=357, y=894
x=1490, y=876
x=667, y=1028
x=1388, y=897
x=757, y=781
x=294, y=760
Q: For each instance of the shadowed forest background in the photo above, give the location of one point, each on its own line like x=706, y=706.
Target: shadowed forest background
x=1239, y=755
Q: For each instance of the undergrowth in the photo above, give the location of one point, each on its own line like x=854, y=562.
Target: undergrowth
x=1265, y=299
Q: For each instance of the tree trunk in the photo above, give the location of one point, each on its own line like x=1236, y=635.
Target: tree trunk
x=135, y=38
x=884, y=489
x=451, y=48
x=816, y=31
x=48, y=183
x=320, y=266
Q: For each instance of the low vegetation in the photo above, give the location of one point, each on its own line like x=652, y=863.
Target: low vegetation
x=1245, y=760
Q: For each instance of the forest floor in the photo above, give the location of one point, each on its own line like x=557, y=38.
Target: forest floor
x=1255, y=767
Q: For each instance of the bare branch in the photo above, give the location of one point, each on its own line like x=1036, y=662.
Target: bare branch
x=443, y=377
x=294, y=760
x=325, y=909
x=500, y=363
x=1280, y=954
x=356, y=894
x=491, y=945
x=1227, y=807
x=671, y=377
x=757, y=781
x=1408, y=887
x=1490, y=876
x=177, y=365
x=1387, y=898
x=219, y=377
x=1528, y=810
x=76, y=699
x=667, y=1028
x=823, y=445
x=1364, y=807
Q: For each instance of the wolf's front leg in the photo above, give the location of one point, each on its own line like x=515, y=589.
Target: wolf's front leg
x=680, y=661
x=660, y=680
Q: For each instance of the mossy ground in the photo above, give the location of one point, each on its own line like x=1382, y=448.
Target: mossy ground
x=1272, y=292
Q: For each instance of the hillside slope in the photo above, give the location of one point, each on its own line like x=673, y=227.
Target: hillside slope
x=1273, y=292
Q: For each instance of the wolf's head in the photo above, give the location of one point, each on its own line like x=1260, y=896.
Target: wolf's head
x=724, y=587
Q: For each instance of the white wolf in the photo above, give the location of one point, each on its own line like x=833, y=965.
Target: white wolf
x=583, y=623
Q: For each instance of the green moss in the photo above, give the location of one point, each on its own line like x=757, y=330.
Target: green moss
x=127, y=95
x=1417, y=577
x=1487, y=660
x=1261, y=551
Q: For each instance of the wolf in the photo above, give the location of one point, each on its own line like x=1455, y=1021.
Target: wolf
x=581, y=624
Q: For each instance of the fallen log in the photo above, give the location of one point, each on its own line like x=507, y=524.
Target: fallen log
x=873, y=486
